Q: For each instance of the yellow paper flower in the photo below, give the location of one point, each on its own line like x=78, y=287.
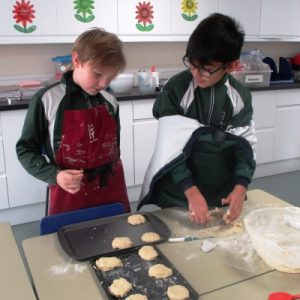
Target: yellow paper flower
x=189, y=7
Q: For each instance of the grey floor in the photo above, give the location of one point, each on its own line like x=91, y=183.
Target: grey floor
x=285, y=186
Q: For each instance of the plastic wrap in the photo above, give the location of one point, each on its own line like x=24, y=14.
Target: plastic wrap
x=275, y=234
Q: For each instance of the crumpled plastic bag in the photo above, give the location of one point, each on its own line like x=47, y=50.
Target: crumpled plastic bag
x=275, y=235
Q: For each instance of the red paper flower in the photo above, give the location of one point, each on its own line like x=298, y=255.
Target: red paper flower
x=23, y=12
x=144, y=13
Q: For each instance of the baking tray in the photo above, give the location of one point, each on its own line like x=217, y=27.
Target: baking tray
x=89, y=239
x=135, y=270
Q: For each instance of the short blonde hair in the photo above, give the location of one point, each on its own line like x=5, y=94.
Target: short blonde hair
x=100, y=48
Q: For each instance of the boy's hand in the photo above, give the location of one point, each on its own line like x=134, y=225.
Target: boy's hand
x=198, y=210
x=69, y=180
x=236, y=202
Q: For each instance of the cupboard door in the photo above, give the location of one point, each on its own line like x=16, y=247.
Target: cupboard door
x=3, y=192
x=22, y=188
x=186, y=15
x=144, y=17
x=264, y=146
x=25, y=19
x=2, y=158
x=287, y=133
x=74, y=17
x=126, y=138
x=144, y=142
x=280, y=18
x=245, y=11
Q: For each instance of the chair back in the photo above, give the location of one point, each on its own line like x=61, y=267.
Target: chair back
x=53, y=223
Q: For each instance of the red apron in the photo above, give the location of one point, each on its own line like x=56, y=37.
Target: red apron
x=89, y=142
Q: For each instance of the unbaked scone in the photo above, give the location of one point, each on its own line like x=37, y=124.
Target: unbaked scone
x=136, y=219
x=149, y=237
x=120, y=287
x=159, y=271
x=121, y=242
x=137, y=297
x=148, y=253
x=178, y=292
x=108, y=263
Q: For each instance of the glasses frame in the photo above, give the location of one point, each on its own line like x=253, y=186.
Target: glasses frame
x=201, y=69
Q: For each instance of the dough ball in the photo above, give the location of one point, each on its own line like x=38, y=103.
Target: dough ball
x=137, y=297
x=122, y=242
x=178, y=292
x=148, y=253
x=136, y=219
x=108, y=263
x=120, y=287
x=149, y=237
x=159, y=271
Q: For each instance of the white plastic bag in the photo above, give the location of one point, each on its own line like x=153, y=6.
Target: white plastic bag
x=275, y=234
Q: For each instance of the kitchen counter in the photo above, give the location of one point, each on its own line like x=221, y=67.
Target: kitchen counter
x=14, y=282
x=213, y=275
x=135, y=94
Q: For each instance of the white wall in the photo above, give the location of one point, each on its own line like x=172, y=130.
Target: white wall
x=36, y=59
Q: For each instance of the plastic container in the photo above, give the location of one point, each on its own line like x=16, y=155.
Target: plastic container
x=147, y=82
x=123, y=83
x=274, y=233
x=252, y=71
x=62, y=64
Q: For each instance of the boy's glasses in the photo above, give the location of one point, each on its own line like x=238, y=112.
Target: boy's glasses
x=201, y=69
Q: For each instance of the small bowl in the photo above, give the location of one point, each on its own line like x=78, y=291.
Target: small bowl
x=122, y=83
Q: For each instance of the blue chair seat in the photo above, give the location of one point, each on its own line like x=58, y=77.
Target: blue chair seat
x=53, y=223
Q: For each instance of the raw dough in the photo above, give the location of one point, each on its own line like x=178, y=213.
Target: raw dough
x=108, y=263
x=148, y=253
x=178, y=292
x=149, y=237
x=137, y=297
x=136, y=219
x=159, y=271
x=120, y=287
x=122, y=242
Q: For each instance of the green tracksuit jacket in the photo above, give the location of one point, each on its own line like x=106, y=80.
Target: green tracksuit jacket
x=41, y=134
x=219, y=155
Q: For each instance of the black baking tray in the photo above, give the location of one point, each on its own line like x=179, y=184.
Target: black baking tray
x=89, y=239
x=135, y=270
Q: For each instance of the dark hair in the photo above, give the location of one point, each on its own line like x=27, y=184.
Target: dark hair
x=100, y=47
x=216, y=38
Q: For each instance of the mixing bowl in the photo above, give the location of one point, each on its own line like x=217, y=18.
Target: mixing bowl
x=122, y=83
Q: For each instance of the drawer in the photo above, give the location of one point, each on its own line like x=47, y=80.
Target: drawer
x=2, y=160
x=3, y=193
x=142, y=109
x=288, y=97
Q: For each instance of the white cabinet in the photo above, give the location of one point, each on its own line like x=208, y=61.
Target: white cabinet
x=74, y=18
x=144, y=18
x=22, y=188
x=144, y=129
x=264, y=104
x=186, y=15
x=287, y=134
x=3, y=192
x=280, y=19
x=245, y=11
x=27, y=21
x=126, y=137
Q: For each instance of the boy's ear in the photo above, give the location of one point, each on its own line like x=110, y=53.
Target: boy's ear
x=233, y=66
x=75, y=60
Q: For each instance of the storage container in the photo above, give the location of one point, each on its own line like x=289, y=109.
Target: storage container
x=253, y=78
x=62, y=64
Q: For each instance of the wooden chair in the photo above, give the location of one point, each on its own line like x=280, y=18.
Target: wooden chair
x=53, y=223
